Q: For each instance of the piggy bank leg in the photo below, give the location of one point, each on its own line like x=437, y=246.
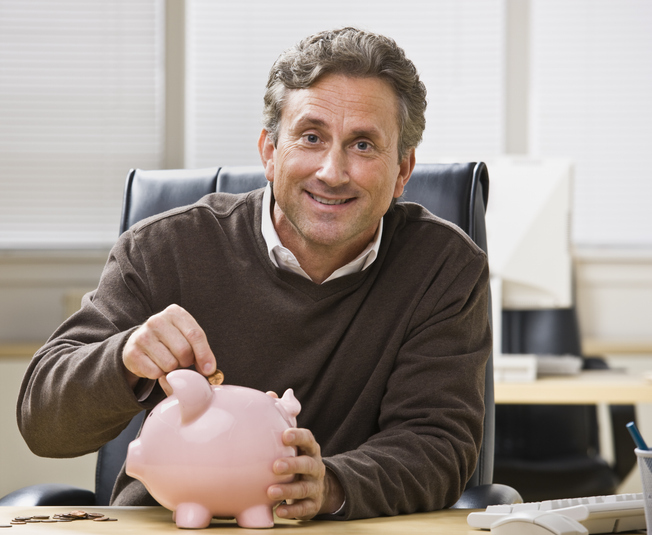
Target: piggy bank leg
x=192, y=516
x=258, y=516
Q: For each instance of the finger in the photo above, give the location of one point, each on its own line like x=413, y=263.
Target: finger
x=303, y=464
x=303, y=439
x=301, y=510
x=300, y=489
x=165, y=386
x=194, y=335
x=151, y=351
x=299, y=500
x=137, y=358
x=167, y=328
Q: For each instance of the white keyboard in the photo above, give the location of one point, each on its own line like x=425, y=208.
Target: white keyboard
x=598, y=514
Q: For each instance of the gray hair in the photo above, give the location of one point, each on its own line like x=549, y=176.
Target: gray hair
x=356, y=53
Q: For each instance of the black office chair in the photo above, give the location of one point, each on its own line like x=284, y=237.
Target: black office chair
x=552, y=451
x=456, y=192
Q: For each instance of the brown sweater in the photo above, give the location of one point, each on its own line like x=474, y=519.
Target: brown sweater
x=388, y=363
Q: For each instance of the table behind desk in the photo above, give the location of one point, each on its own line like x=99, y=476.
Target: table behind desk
x=146, y=520
x=587, y=388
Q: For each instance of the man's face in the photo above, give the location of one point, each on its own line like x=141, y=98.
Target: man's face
x=335, y=168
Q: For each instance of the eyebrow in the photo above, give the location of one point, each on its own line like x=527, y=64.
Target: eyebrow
x=309, y=120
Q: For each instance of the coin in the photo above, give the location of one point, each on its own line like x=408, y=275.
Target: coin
x=77, y=514
x=216, y=378
x=58, y=517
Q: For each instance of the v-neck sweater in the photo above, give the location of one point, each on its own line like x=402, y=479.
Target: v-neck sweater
x=388, y=363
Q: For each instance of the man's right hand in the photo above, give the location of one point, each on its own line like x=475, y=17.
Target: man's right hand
x=168, y=340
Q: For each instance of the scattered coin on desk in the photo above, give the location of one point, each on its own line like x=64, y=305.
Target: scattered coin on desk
x=216, y=378
x=59, y=517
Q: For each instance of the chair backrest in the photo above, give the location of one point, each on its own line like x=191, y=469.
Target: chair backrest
x=456, y=192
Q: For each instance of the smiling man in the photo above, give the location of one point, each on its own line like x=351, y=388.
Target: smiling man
x=335, y=169
x=375, y=313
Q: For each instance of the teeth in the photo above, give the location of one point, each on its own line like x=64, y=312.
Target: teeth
x=328, y=201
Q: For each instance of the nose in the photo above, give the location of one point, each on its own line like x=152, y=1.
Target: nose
x=333, y=170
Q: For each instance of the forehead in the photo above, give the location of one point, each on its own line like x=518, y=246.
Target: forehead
x=344, y=100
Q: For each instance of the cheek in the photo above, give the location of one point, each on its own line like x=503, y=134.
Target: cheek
x=381, y=180
x=296, y=163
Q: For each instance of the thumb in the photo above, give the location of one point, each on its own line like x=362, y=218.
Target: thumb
x=165, y=386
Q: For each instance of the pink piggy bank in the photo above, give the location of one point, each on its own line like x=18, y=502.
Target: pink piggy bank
x=208, y=451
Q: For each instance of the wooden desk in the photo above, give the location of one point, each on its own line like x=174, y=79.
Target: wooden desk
x=146, y=520
x=154, y=520
x=589, y=387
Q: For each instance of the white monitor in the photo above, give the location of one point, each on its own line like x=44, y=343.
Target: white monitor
x=528, y=235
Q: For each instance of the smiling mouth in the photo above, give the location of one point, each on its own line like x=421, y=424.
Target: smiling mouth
x=322, y=200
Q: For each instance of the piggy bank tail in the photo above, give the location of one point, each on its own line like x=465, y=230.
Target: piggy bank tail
x=289, y=407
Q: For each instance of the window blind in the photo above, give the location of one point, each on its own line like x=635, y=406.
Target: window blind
x=456, y=46
x=81, y=102
x=592, y=81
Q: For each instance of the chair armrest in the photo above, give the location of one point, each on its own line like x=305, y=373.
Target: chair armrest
x=48, y=494
x=484, y=495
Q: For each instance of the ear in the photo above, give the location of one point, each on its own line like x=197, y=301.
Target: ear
x=267, y=152
x=405, y=172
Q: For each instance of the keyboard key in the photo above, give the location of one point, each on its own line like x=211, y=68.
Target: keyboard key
x=499, y=509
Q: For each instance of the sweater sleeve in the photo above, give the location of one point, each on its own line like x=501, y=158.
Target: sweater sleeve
x=430, y=425
x=74, y=397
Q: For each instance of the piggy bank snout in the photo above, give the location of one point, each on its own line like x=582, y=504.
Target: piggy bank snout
x=134, y=458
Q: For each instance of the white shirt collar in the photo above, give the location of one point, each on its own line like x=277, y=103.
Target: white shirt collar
x=283, y=258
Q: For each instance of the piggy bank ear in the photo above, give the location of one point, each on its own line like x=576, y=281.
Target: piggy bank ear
x=289, y=407
x=193, y=392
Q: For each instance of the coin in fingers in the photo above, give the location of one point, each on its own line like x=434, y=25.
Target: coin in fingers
x=216, y=378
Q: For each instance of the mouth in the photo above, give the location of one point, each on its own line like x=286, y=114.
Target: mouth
x=330, y=202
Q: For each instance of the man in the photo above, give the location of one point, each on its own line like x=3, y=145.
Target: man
x=375, y=314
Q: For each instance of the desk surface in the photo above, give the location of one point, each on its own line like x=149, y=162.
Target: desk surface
x=150, y=520
x=145, y=520
x=589, y=387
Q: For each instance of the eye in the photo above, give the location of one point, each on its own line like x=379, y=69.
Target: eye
x=312, y=138
x=362, y=145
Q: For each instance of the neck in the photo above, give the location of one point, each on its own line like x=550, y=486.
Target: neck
x=318, y=260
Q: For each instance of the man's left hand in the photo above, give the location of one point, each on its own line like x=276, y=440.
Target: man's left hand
x=315, y=490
